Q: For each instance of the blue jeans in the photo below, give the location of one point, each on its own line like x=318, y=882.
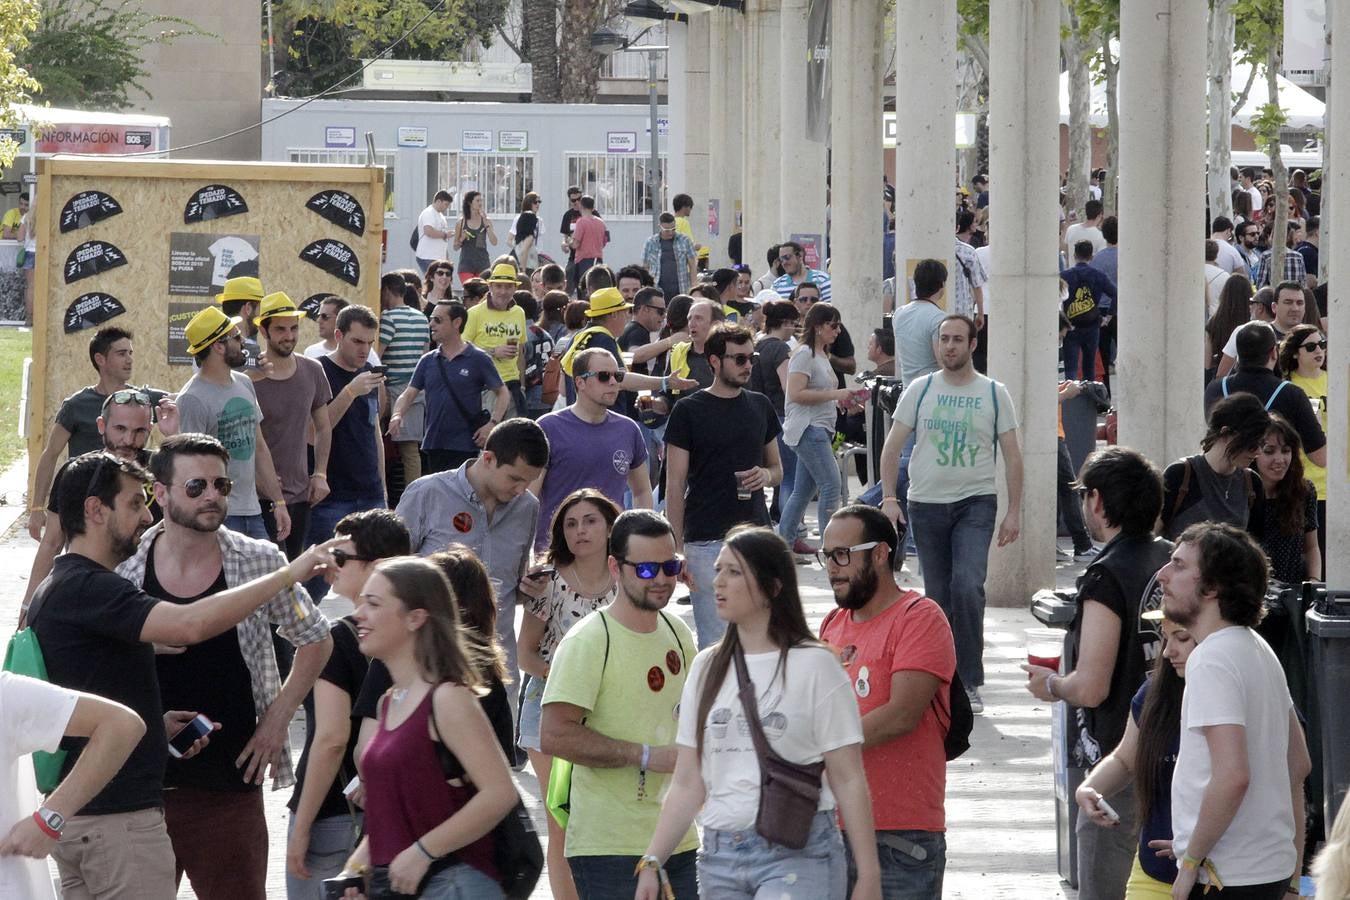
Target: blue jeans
x=331, y=841
x=531, y=712
x=735, y=864
x=461, y=882
x=953, y=541
x=816, y=468
x=700, y=557
x=324, y=517
x=784, y=492
x=1080, y=352
x=611, y=877
x=253, y=526
x=903, y=877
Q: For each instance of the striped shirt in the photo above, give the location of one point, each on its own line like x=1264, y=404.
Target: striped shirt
x=784, y=284
x=404, y=336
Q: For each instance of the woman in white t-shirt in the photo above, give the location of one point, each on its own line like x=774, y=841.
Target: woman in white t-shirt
x=808, y=427
x=808, y=714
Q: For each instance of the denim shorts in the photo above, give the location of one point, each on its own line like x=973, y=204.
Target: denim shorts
x=531, y=711
x=741, y=864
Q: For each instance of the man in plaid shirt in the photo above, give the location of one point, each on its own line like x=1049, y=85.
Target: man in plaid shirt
x=1294, y=269
x=213, y=802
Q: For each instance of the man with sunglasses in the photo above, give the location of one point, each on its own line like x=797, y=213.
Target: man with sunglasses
x=76, y=429
x=590, y=445
x=213, y=804
x=897, y=648
x=670, y=257
x=97, y=632
x=721, y=453
x=610, y=708
x=792, y=258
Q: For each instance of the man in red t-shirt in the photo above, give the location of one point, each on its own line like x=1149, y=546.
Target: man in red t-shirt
x=589, y=237
x=897, y=648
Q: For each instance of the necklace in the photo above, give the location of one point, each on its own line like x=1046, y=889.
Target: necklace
x=581, y=588
x=398, y=695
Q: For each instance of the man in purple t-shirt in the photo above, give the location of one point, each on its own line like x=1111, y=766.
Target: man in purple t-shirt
x=591, y=446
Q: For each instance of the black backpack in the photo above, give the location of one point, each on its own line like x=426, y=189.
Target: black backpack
x=957, y=739
x=413, y=238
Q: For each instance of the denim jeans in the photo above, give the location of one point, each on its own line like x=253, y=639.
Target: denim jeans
x=331, y=842
x=700, y=557
x=735, y=864
x=1080, y=352
x=253, y=526
x=294, y=544
x=1070, y=507
x=611, y=877
x=1105, y=855
x=953, y=542
x=323, y=517
x=783, y=493
x=461, y=882
x=816, y=468
x=903, y=877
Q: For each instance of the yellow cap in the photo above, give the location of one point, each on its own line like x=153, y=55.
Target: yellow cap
x=244, y=287
x=277, y=306
x=606, y=301
x=207, y=327
x=503, y=273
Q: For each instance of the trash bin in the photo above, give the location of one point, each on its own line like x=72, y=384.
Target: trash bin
x=1329, y=640
x=1057, y=609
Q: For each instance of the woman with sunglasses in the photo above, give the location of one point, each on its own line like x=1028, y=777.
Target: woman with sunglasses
x=812, y=396
x=426, y=835
x=440, y=282
x=809, y=715
x=573, y=582
x=1303, y=361
x=473, y=233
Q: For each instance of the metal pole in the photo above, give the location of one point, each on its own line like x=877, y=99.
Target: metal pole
x=271, y=55
x=654, y=166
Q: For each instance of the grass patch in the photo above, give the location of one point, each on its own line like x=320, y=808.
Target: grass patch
x=15, y=345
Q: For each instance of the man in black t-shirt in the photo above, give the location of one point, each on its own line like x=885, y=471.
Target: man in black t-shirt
x=721, y=453
x=213, y=804
x=96, y=630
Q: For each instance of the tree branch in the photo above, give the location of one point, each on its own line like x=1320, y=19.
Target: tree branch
x=1246, y=90
x=515, y=47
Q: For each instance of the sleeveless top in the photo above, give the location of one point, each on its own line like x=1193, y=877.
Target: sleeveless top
x=407, y=794
x=473, y=253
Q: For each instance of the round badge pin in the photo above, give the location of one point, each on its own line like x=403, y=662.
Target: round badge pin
x=673, y=662
x=862, y=687
x=656, y=679
x=463, y=522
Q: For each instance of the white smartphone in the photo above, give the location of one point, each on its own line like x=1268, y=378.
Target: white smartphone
x=1106, y=808
x=352, y=786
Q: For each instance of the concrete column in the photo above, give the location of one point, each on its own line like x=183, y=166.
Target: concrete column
x=925, y=153
x=801, y=176
x=855, y=123
x=677, y=105
x=732, y=208
x=1162, y=147
x=763, y=131
x=695, y=133
x=1336, y=211
x=1023, y=162
x=723, y=123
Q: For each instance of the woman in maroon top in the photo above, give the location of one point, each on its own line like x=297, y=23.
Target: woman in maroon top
x=430, y=835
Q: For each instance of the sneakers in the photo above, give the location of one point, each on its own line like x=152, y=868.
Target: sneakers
x=976, y=703
x=1061, y=553
x=1087, y=555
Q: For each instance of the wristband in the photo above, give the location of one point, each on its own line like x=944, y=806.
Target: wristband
x=665, y=384
x=1050, y=685
x=1189, y=862
x=285, y=572
x=646, y=757
x=892, y=499
x=319, y=475
x=425, y=851
x=1295, y=886
x=278, y=503
x=48, y=830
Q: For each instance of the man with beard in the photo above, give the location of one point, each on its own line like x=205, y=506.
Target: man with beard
x=222, y=403
x=898, y=650
x=293, y=396
x=610, y=709
x=96, y=630
x=721, y=453
x=961, y=421
x=1237, y=791
x=213, y=804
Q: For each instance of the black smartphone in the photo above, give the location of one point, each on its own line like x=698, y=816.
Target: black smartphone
x=336, y=888
x=379, y=370
x=182, y=741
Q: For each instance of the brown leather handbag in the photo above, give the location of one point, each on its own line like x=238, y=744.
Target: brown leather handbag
x=789, y=792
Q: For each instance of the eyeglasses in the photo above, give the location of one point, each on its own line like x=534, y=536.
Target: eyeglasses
x=841, y=556
x=739, y=359
x=602, y=377
x=126, y=397
x=647, y=570
x=660, y=309
x=1313, y=346
x=439, y=272
x=195, y=487
x=326, y=316
x=342, y=557
x=107, y=460
x=789, y=258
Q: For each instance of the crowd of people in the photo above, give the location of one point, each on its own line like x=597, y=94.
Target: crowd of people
x=351, y=528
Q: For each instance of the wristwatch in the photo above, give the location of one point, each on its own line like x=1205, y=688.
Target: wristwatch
x=50, y=821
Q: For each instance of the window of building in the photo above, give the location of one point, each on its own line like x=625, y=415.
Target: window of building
x=502, y=178
x=330, y=157
x=617, y=182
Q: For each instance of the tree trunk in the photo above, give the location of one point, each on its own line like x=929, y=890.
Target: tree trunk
x=1277, y=236
x=541, y=49
x=1220, y=110
x=578, y=64
x=1111, y=66
x=1080, y=128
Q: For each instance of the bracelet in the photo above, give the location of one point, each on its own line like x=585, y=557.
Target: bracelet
x=665, y=384
x=281, y=502
x=1189, y=862
x=645, y=863
x=1295, y=886
x=425, y=851
x=1050, y=685
x=285, y=572
x=319, y=475
x=892, y=499
x=646, y=757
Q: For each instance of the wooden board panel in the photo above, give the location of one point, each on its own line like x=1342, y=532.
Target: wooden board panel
x=153, y=195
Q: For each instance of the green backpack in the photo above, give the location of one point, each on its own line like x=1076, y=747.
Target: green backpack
x=23, y=656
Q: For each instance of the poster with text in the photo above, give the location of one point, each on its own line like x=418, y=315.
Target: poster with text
x=200, y=264
x=180, y=313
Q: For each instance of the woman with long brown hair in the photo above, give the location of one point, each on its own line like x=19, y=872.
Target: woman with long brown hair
x=1234, y=310
x=523, y=236
x=440, y=282
x=473, y=233
x=1303, y=361
x=805, y=704
x=1287, y=522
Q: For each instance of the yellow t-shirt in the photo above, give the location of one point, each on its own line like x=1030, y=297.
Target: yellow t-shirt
x=1316, y=389
x=682, y=227
x=11, y=219
x=487, y=328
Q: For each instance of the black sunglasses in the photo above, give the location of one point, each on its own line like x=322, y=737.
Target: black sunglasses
x=127, y=396
x=105, y=461
x=342, y=557
x=195, y=487
x=739, y=359
x=602, y=377
x=647, y=570
x=1312, y=346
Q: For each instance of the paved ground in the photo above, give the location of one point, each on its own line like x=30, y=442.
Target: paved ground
x=1000, y=813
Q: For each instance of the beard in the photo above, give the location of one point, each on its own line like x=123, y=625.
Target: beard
x=235, y=356
x=124, y=545
x=861, y=589
x=1181, y=612
x=205, y=520
x=639, y=593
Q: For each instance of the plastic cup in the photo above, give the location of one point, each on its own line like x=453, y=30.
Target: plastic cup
x=1045, y=647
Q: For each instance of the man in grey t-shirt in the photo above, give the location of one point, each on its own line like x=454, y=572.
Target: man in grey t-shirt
x=222, y=403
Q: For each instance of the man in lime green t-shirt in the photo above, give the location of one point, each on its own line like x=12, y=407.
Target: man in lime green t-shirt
x=611, y=707
x=684, y=207
x=498, y=328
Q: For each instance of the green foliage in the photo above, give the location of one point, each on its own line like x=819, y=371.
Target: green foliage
x=974, y=19
x=89, y=54
x=18, y=18
x=1098, y=22
x=1268, y=121
x=1257, y=26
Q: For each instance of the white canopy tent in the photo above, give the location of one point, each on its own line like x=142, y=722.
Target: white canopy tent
x=1303, y=109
